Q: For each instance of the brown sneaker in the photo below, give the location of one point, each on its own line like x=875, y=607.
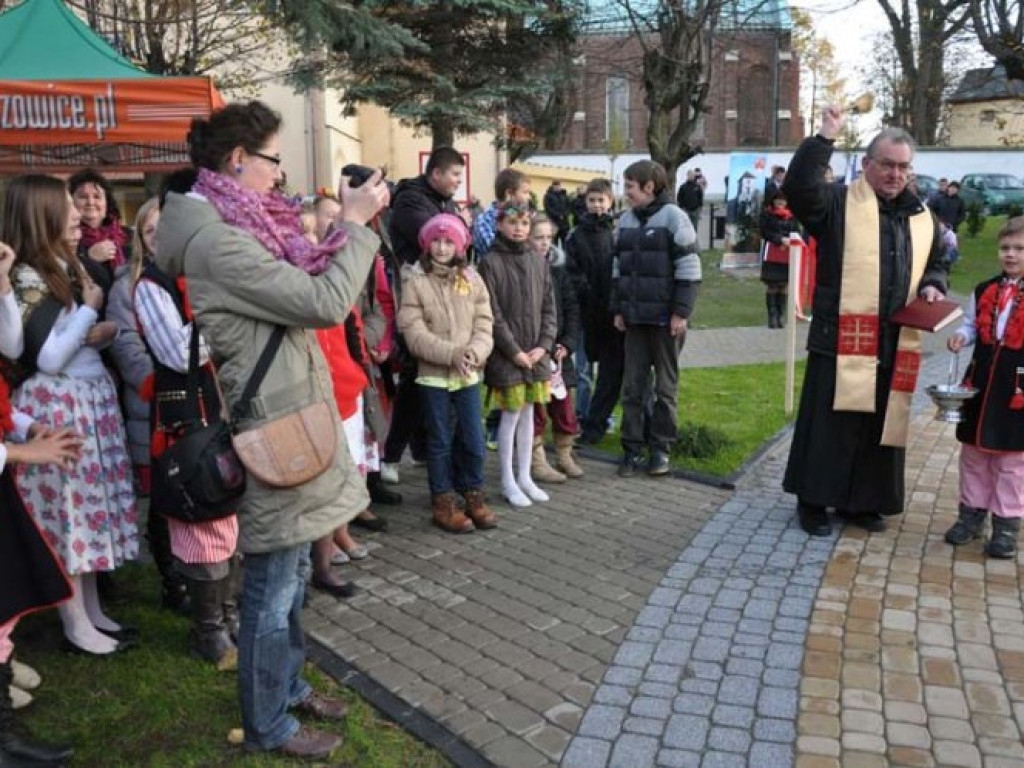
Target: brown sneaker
x=447, y=515
x=478, y=511
x=310, y=743
x=321, y=706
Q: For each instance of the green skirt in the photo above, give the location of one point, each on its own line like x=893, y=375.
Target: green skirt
x=516, y=397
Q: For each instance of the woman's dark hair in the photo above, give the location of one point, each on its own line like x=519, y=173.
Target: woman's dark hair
x=248, y=126
x=180, y=182
x=92, y=176
x=775, y=194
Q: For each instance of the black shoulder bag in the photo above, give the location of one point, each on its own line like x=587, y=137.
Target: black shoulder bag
x=201, y=468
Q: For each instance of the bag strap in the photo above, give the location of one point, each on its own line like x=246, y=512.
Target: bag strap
x=244, y=404
x=37, y=330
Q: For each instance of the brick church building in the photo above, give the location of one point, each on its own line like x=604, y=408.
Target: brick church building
x=754, y=75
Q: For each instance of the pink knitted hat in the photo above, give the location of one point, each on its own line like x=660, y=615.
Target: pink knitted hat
x=445, y=225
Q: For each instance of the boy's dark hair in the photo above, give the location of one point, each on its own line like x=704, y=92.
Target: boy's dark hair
x=180, y=182
x=92, y=176
x=643, y=171
x=506, y=182
x=250, y=126
x=1013, y=226
x=953, y=184
x=600, y=187
x=443, y=158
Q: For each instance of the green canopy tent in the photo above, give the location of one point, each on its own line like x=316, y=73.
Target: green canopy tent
x=68, y=100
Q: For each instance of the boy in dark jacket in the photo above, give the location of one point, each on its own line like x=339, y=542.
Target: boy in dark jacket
x=655, y=278
x=589, y=253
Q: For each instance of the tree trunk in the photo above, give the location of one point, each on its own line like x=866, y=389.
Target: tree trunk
x=443, y=133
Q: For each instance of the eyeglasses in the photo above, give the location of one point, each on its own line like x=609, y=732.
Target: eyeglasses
x=269, y=158
x=888, y=165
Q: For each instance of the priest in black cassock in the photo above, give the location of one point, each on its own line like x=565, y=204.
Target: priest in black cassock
x=878, y=249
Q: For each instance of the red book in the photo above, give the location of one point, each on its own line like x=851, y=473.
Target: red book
x=927, y=317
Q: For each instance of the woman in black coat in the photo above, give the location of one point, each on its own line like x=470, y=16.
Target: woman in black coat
x=777, y=223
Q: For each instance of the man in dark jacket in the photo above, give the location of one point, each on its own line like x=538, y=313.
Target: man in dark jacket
x=878, y=247
x=949, y=207
x=691, y=198
x=417, y=200
x=556, y=206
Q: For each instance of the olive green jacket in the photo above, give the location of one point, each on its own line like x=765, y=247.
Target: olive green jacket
x=239, y=291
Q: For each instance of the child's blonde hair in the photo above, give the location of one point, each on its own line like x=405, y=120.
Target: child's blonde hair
x=139, y=250
x=1014, y=226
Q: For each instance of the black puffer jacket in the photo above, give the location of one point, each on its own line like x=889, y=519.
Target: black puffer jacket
x=414, y=204
x=589, y=252
x=525, y=314
x=821, y=208
x=568, y=312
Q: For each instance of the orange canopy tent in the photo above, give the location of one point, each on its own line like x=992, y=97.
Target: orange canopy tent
x=69, y=101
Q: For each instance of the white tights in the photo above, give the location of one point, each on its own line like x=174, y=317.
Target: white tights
x=81, y=615
x=515, y=445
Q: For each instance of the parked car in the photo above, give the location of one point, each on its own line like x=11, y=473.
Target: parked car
x=996, y=192
x=926, y=185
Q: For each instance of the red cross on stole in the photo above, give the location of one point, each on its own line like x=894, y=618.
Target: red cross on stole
x=858, y=335
x=907, y=366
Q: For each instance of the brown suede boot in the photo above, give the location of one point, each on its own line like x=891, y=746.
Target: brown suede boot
x=540, y=470
x=447, y=515
x=564, y=459
x=478, y=511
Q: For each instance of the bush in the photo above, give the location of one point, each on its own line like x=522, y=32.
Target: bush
x=1014, y=210
x=697, y=441
x=975, y=220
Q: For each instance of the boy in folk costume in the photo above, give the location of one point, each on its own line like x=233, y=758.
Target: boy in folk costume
x=992, y=433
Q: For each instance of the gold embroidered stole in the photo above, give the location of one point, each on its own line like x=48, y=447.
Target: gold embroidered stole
x=857, y=345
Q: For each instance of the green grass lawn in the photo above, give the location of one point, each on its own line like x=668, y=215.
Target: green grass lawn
x=979, y=256
x=157, y=706
x=745, y=402
x=727, y=299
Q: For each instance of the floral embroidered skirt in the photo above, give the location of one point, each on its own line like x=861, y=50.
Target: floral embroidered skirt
x=87, y=513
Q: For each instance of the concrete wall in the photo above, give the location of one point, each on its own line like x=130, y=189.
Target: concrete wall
x=986, y=123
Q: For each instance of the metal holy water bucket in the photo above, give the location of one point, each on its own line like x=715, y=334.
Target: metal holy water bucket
x=950, y=397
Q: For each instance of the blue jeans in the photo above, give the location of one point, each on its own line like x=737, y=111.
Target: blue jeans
x=271, y=646
x=584, y=380
x=455, y=441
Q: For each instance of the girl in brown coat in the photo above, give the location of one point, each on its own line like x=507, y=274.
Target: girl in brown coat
x=525, y=327
x=447, y=323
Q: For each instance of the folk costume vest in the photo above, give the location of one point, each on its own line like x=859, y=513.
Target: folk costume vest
x=859, y=321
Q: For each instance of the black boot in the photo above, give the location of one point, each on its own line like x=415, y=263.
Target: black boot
x=769, y=304
x=813, y=519
x=968, y=526
x=174, y=595
x=379, y=492
x=14, y=750
x=1003, y=544
x=209, y=636
x=780, y=310
x=232, y=596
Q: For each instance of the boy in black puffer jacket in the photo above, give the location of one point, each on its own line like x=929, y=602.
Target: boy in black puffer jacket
x=655, y=278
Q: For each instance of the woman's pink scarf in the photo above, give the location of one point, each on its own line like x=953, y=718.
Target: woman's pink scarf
x=271, y=218
x=112, y=231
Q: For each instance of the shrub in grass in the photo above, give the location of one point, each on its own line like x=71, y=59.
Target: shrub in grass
x=698, y=441
x=975, y=220
x=1013, y=210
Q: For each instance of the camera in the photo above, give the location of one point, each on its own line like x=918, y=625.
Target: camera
x=358, y=174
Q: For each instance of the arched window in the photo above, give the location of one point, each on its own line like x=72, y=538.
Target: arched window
x=755, y=106
x=617, y=109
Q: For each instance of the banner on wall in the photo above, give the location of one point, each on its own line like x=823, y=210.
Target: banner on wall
x=743, y=203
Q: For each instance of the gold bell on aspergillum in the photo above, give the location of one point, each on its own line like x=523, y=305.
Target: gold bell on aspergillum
x=862, y=104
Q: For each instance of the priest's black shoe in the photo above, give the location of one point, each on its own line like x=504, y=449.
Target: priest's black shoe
x=869, y=521
x=813, y=519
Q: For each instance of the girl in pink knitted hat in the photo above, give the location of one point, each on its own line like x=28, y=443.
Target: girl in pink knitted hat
x=446, y=321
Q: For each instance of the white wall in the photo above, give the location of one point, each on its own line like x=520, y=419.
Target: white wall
x=951, y=163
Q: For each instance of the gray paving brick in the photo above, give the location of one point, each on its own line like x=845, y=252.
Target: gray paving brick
x=717, y=629
x=731, y=715
x=720, y=760
x=798, y=607
x=658, y=690
x=728, y=739
x=759, y=608
x=699, y=686
x=681, y=632
x=686, y=732
x=785, y=655
x=738, y=690
x=766, y=753
x=677, y=758
x=782, y=678
x=672, y=652
x=633, y=750
x=649, y=706
x=587, y=753
x=620, y=675
x=710, y=649
x=654, y=616
x=602, y=721
x=777, y=702
x=632, y=654
x=614, y=694
x=663, y=673
x=766, y=729
x=663, y=596
x=746, y=667
x=693, y=704
x=645, y=634
x=649, y=726
x=726, y=615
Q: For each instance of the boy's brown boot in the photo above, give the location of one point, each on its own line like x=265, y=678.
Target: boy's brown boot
x=477, y=509
x=564, y=459
x=540, y=470
x=447, y=514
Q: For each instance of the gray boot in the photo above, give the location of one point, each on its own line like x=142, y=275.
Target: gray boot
x=209, y=636
x=968, y=526
x=233, y=594
x=1003, y=544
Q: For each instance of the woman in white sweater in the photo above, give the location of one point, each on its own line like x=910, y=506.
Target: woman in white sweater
x=87, y=512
